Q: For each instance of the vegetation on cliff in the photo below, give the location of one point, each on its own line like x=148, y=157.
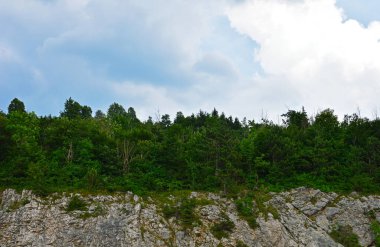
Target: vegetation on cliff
x=115, y=151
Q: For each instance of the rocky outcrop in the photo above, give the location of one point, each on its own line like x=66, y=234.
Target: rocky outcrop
x=304, y=217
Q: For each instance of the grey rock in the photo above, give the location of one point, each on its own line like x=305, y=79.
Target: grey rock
x=330, y=212
x=306, y=217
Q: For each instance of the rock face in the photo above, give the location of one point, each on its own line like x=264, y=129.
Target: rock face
x=305, y=217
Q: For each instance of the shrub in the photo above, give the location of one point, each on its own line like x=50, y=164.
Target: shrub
x=245, y=209
x=345, y=236
x=375, y=227
x=223, y=228
x=182, y=210
x=186, y=212
x=41, y=191
x=76, y=203
x=169, y=211
x=249, y=210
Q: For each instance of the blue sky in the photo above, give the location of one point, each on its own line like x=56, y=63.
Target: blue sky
x=248, y=58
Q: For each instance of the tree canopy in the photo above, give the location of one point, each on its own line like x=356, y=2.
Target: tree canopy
x=204, y=151
x=16, y=105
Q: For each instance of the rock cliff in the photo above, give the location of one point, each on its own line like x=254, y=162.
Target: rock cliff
x=300, y=217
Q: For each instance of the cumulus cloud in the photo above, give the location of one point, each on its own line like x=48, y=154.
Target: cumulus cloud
x=80, y=46
x=247, y=58
x=328, y=60
x=151, y=100
x=215, y=64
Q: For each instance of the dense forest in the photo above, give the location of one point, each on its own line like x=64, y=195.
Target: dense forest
x=115, y=151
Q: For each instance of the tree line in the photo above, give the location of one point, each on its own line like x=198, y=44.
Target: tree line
x=115, y=151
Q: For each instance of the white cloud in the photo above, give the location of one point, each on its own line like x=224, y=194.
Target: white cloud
x=74, y=45
x=216, y=65
x=147, y=99
x=174, y=27
x=309, y=46
x=178, y=55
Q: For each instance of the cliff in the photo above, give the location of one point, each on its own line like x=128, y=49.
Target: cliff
x=300, y=217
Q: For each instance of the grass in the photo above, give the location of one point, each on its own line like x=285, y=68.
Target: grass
x=273, y=211
x=18, y=204
x=252, y=204
x=98, y=211
x=345, y=236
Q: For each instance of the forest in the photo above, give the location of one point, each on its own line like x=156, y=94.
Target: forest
x=115, y=151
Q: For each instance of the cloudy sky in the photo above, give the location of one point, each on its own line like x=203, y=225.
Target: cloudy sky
x=248, y=58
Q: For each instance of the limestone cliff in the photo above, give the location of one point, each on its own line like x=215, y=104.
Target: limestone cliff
x=300, y=217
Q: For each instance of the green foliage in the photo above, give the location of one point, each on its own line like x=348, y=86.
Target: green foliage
x=223, y=228
x=98, y=211
x=203, y=151
x=18, y=204
x=251, y=205
x=273, y=211
x=240, y=243
x=246, y=210
x=170, y=211
x=345, y=236
x=186, y=213
x=16, y=105
x=116, y=111
x=76, y=203
x=296, y=119
x=74, y=110
x=375, y=227
x=92, y=177
x=261, y=197
x=182, y=208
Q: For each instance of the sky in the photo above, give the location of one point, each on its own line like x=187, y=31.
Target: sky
x=247, y=58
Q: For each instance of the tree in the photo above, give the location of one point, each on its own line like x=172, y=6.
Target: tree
x=373, y=155
x=327, y=121
x=131, y=113
x=24, y=133
x=165, y=120
x=327, y=145
x=16, y=105
x=5, y=142
x=99, y=114
x=215, y=113
x=86, y=112
x=116, y=112
x=131, y=118
x=128, y=155
x=179, y=118
x=72, y=109
x=296, y=119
